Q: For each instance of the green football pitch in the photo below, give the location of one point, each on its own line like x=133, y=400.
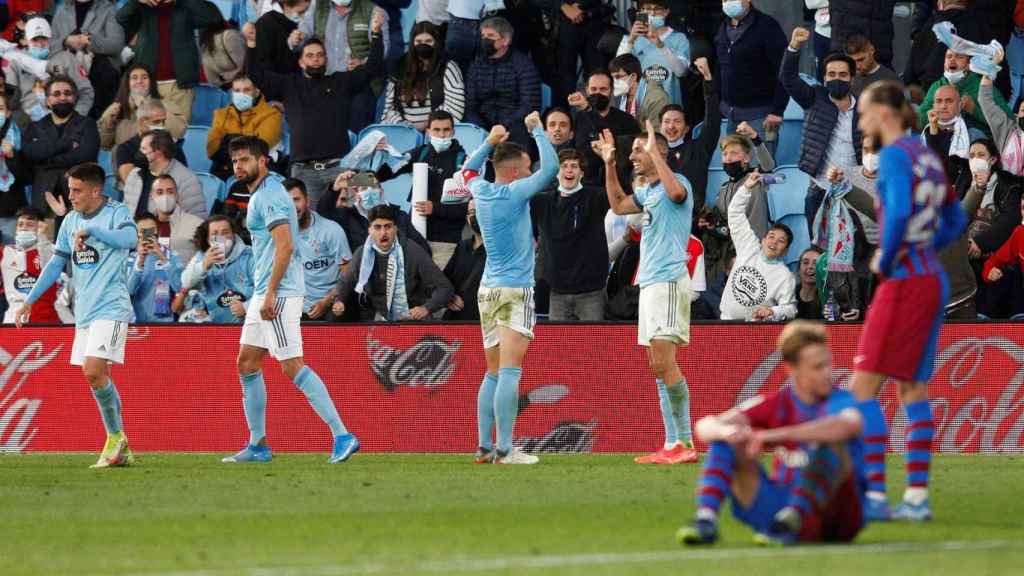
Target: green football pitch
x=189, y=515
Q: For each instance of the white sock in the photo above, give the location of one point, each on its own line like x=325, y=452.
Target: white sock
x=915, y=496
x=875, y=495
x=704, y=513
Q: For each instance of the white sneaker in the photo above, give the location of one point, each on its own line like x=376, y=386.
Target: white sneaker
x=517, y=456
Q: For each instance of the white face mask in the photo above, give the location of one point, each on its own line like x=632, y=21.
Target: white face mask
x=620, y=87
x=980, y=165
x=165, y=203
x=871, y=162
x=955, y=77
x=224, y=243
x=25, y=239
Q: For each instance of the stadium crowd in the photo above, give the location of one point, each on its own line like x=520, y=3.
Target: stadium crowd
x=757, y=100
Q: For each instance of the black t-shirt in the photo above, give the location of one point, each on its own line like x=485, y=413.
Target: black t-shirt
x=573, y=242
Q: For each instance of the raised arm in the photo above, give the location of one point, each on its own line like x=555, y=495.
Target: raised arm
x=478, y=158
x=356, y=80
x=743, y=236
x=789, y=72
x=618, y=201
x=536, y=183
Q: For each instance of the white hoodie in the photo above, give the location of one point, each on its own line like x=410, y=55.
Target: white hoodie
x=754, y=280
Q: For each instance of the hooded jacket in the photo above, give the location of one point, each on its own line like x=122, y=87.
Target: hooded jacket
x=222, y=283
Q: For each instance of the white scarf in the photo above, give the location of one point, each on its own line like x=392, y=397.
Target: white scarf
x=960, y=145
x=397, y=300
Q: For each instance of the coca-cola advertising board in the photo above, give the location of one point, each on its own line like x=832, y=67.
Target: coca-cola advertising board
x=412, y=387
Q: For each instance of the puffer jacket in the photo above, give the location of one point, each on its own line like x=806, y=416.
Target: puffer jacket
x=502, y=91
x=262, y=121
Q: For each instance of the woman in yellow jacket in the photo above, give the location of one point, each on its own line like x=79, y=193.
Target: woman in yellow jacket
x=249, y=114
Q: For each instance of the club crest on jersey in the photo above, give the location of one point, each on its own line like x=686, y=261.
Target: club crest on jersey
x=24, y=282
x=86, y=258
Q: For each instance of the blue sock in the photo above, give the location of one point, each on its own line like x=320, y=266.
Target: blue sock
x=920, y=430
x=671, y=435
x=506, y=405
x=485, y=410
x=679, y=397
x=254, y=402
x=716, y=478
x=817, y=481
x=313, y=387
x=875, y=436
x=109, y=403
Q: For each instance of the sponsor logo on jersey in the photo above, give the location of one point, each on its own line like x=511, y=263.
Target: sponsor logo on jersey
x=86, y=258
x=24, y=282
x=227, y=298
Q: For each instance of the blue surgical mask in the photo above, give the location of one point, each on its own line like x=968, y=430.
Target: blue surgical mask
x=369, y=198
x=294, y=17
x=25, y=239
x=241, y=101
x=732, y=8
x=440, y=144
x=3, y=120
x=39, y=53
x=655, y=22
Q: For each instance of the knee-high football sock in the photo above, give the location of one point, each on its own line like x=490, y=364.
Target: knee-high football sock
x=313, y=387
x=876, y=434
x=679, y=397
x=920, y=431
x=715, y=479
x=254, y=402
x=817, y=482
x=485, y=410
x=506, y=405
x=671, y=436
x=109, y=403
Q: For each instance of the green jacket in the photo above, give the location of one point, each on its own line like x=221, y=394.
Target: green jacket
x=186, y=17
x=969, y=86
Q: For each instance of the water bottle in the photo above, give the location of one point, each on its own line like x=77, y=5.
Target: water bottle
x=831, y=308
x=770, y=179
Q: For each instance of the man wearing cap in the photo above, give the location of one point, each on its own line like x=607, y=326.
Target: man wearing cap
x=31, y=87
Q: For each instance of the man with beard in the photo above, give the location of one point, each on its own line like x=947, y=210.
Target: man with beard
x=594, y=115
x=325, y=252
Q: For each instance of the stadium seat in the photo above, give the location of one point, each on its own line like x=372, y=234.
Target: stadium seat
x=396, y=191
x=470, y=136
x=793, y=111
x=110, y=188
x=207, y=99
x=213, y=188
x=408, y=19
x=28, y=194
x=545, y=96
x=226, y=7
x=404, y=138
x=788, y=199
x=352, y=138
x=696, y=131
x=790, y=135
x=105, y=161
x=716, y=177
x=801, y=239
x=195, y=149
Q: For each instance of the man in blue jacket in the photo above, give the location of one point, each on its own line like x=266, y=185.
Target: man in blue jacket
x=155, y=275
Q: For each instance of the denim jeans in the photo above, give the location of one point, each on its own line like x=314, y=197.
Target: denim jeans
x=585, y=307
x=317, y=181
x=463, y=41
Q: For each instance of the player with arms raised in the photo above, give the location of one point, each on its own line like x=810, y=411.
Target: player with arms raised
x=96, y=236
x=506, y=289
x=664, y=320
x=919, y=214
x=272, y=317
x=816, y=487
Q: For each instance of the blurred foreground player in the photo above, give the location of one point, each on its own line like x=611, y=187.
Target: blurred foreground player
x=815, y=490
x=505, y=298
x=96, y=236
x=919, y=214
x=273, y=313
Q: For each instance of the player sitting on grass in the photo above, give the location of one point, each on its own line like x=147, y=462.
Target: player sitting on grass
x=815, y=490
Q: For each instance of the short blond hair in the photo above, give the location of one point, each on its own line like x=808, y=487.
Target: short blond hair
x=737, y=140
x=798, y=335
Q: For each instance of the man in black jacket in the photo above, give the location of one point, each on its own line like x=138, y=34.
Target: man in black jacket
x=465, y=270
x=317, y=106
x=688, y=155
x=595, y=113
x=60, y=140
x=872, y=18
x=570, y=220
x=444, y=156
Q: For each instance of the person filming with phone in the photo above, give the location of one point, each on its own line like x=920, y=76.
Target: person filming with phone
x=155, y=274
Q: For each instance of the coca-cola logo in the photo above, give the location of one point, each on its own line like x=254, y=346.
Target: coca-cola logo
x=567, y=436
x=427, y=363
x=16, y=413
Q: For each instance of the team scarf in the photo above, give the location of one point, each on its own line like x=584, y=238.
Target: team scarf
x=834, y=228
x=397, y=300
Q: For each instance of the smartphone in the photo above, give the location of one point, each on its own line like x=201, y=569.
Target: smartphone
x=642, y=17
x=149, y=234
x=363, y=180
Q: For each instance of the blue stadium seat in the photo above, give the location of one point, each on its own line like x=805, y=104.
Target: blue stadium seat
x=213, y=188
x=226, y=7
x=207, y=99
x=696, y=131
x=545, y=96
x=28, y=193
x=788, y=150
x=396, y=191
x=793, y=111
x=716, y=177
x=352, y=138
x=408, y=19
x=801, y=239
x=716, y=158
x=788, y=199
x=470, y=136
x=195, y=149
x=404, y=138
x=105, y=161
x=110, y=188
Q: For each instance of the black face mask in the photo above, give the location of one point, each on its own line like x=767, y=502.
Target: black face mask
x=838, y=89
x=487, y=47
x=474, y=224
x=735, y=170
x=425, y=51
x=63, y=109
x=599, y=101
x=316, y=71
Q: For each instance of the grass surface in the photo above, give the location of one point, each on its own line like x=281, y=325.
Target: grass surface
x=187, y=514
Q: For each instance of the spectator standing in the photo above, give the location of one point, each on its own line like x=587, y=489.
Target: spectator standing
x=738, y=150
x=349, y=205
x=664, y=53
x=88, y=29
x=558, y=127
x=869, y=70
x=324, y=253
x=158, y=148
x=21, y=265
x=425, y=81
x=155, y=275
x=221, y=270
x=502, y=85
x=808, y=304
x=634, y=94
x=580, y=25
x=822, y=33
x=223, y=54
x=272, y=32
x=60, y=140
x=249, y=114
x=872, y=18
x=120, y=121
x=1006, y=127
x=750, y=46
x=175, y=227
x=151, y=115
x=317, y=107
x=956, y=72
x=465, y=269
x=30, y=87
x=463, y=37
x=594, y=115
x=165, y=43
x=570, y=222
x=691, y=155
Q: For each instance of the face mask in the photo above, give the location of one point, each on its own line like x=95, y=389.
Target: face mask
x=954, y=77
x=474, y=224
x=342, y=2
x=735, y=170
x=732, y=8
x=620, y=87
x=139, y=92
x=572, y=190
x=63, y=109
x=440, y=144
x=38, y=53
x=316, y=71
x=838, y=89
x=3, y=120
x=425, y=51
x=487, y=47
x=294, y=17
x=165, y=203
x=157, y=127
x=25, y=239
x=223, y=242
x=676, y=143
x=980, y=165
x=369, y=198
x=598, y=101
x=655, y=21
x=242, y=102
x=871, y=162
